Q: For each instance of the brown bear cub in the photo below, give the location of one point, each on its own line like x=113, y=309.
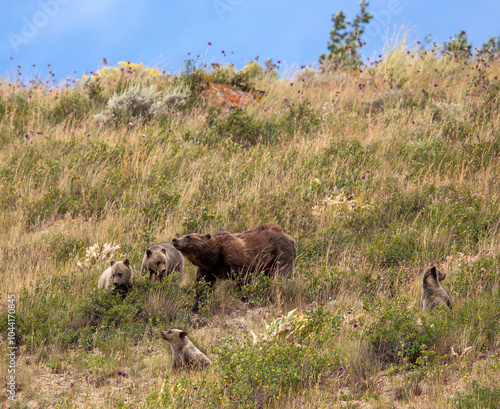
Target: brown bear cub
x=184, y=353
x=239, y=256
x=118, y=274
x=433, y=294
x=161, y=260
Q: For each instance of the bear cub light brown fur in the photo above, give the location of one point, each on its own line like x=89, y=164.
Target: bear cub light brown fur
x=118, y=274
x=161, y=260
x=433, y=294
x=184, y=353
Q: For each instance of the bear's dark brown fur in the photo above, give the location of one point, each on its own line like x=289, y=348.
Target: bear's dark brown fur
x=240, y=255
x=433, y=294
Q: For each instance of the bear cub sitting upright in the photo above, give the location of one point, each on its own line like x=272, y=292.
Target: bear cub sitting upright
x=433, y=294
x=184, y=353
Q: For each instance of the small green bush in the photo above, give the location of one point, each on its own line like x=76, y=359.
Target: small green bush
x=242, y=129
x=256, y=374
x=392, y=248
x=138, y=104
x=481, y=397
x=397, y=337
x=74, y=105
x=300, y=117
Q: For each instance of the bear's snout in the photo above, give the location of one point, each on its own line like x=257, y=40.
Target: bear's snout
x=175, y=242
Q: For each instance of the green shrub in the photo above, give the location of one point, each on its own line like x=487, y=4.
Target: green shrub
x=389, y=283
x=300, y=117
x=261, y=290
x=480, y=317
x=392, y=248
x=159, y=207
x=138, y=104
x=481, y=397
x=192, y=78
x=249, y=375
x=256, y=374
x=397, y=337
x=241, y=128
x=98, y=315
x=73, y=105
x=322, y=288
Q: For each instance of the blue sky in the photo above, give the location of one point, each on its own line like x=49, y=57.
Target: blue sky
x=73, y=35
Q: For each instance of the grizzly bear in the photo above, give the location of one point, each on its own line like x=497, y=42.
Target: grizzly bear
x=239, y=256
x=161, y=260
x=118, y=274
x=184, y=353
x=433, y=294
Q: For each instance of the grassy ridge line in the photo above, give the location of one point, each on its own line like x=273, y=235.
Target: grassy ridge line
x=375, y=174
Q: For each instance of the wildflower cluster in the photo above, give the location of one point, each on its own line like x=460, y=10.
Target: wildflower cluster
x=97, y=253
x=124, y=69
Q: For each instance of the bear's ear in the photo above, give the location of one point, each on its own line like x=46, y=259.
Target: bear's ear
x=433, y=272
x=183, y=334
x=112, y=262
x=164, y=251
x=208, y=236
x=126, y=262
x=148, y=253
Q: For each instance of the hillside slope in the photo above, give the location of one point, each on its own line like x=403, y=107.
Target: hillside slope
x=377, y=174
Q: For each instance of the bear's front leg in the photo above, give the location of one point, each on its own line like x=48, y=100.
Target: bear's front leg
x=206, y=277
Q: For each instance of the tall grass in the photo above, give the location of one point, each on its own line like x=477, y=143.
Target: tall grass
x=376, y=174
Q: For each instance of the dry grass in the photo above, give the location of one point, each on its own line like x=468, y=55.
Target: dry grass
x=412, y=142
